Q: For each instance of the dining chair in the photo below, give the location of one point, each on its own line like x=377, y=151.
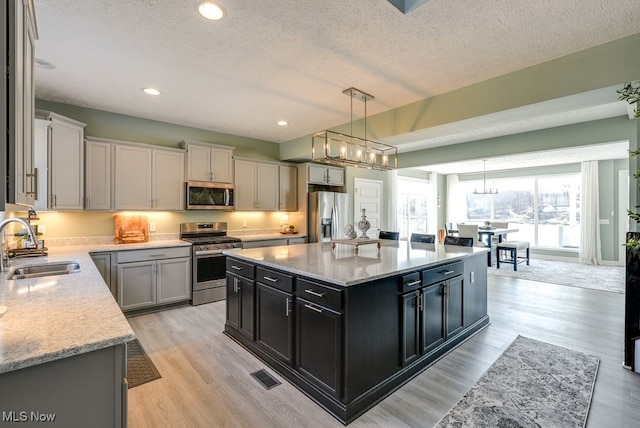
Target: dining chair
x=422, y=237
x=499, y=225
x=461, y=241
x=389, y=235
x=470, y=231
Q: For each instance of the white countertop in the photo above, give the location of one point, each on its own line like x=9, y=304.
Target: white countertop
x=343, y=267
x=58, y=316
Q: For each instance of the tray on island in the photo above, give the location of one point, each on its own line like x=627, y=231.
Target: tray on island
x=355, y=243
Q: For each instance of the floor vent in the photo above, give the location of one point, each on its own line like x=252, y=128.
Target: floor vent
x=265, y=379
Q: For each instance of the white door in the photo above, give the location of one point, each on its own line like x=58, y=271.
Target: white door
x=368, y=195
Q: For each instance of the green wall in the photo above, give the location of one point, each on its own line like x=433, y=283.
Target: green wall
x=128, y=128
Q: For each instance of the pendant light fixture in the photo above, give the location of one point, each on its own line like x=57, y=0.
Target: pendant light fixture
x=485, y=190
x=335, y=148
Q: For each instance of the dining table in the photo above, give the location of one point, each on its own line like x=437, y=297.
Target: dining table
x=486, y=234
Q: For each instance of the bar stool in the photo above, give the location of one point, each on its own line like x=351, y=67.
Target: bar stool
x=512, y=248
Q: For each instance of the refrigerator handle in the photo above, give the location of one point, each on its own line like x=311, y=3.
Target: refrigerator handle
x=334, y=220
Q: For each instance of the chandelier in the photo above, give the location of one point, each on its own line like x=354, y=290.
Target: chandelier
x=335, y=148
x=485, y=190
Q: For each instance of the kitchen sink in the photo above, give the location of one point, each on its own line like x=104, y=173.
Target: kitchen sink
x=44, y=269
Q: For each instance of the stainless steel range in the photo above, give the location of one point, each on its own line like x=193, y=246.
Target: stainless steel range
x=209, y=264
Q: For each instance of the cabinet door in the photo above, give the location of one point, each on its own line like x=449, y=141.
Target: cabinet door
x=103, y=263
x=247, y=307
x=267, y=186
x=335, y=177
x=198, y=163
x=288, y=189
x=432, y=322
x=474, y=290
x=221, y=165
x=319, y=345
x=410, y=326
x=136, y=285
x=274, y=322
x=66, y=164
x=20, y=48
x=98, y=175
x=233, y=302
x=173, y=280
x=317, y=174
x=41, y=163
x=168, y=180
x=454, y=308
x=132, y=178
x=245, y=185
x=241, y=304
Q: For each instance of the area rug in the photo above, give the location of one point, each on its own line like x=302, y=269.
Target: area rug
x=604, y=278
x=140, y=368
x=532, y=384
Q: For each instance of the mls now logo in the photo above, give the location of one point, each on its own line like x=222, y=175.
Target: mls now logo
x=24, y=416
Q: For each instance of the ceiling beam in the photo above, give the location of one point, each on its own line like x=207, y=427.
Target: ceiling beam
x=406, y=6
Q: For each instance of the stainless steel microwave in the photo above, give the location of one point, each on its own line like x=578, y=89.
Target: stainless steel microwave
x=202, y=195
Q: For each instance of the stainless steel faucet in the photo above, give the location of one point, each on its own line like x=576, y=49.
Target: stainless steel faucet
x=4, y=259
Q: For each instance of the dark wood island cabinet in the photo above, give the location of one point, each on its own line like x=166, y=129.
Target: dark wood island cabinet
x=347, y=330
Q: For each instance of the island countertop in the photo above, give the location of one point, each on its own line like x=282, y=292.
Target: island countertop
x=58, y=316
x=344, y=268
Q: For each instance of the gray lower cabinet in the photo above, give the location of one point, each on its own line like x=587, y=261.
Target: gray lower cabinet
x=103, y=263
x=88, y=389
x=153, y=277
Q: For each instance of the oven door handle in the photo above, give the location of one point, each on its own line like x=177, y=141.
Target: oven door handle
x=208, y=253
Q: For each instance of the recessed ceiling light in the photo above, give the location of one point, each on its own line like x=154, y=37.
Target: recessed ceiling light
x=282, y=123
x=151, y=91
x=211, y=10
x=41, y=63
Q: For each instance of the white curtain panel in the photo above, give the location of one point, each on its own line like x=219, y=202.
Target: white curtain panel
x=590, y=253
x=456, y=206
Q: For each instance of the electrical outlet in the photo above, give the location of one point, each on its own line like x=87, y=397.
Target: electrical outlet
x=42, y=229
x=244, y=222
x=152, y=227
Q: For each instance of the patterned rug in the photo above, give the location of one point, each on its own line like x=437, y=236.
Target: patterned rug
x=603, y=278
x=140, y=368
x=532, y=384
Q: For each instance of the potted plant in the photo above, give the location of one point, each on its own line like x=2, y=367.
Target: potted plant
x=631, y=94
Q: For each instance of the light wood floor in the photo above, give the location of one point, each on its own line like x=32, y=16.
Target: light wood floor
x=206, y=383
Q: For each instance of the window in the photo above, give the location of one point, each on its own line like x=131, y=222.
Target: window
x=546, y=211
x=412, y=206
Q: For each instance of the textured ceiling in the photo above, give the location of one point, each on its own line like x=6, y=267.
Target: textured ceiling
x=291, y=59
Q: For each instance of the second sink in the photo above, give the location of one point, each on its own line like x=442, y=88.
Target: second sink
x=44, y=269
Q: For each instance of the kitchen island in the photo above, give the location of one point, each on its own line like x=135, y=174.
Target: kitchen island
x=347, y=329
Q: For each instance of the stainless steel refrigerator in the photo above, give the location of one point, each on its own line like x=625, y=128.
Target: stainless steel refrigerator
x=328, y=215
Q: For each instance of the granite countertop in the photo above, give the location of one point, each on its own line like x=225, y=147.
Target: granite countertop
x=344, y=268
x=58, y=316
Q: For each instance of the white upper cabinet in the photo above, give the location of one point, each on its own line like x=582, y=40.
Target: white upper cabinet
x=63, y=147
x=320, y=174
x=132, y=178
x=98, y=156
x=148, y=178
x=288, y=188
x=208, y=162
x=256, y=186
x=168, y=180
